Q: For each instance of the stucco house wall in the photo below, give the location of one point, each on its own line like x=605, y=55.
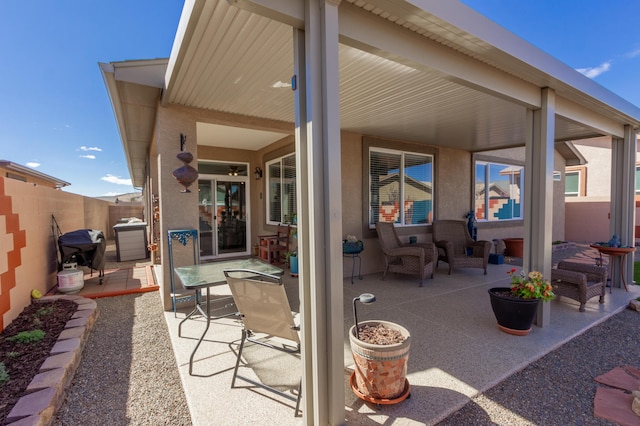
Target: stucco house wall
x=587, y=221
x=453, y=198
x=597, y=152
x=588, y=215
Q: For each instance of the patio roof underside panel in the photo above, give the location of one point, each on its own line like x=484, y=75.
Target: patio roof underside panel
x=248, y=63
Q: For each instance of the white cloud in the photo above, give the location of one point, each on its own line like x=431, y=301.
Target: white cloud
x=595, y=71
x=116, y=180
x=33, y=164
x=90, y=157
x=110, y=194
x=633, y=53
x=91, y=148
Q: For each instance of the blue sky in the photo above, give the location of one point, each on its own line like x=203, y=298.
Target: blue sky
x=54, y=107
x=55, y=114
x=598, y=37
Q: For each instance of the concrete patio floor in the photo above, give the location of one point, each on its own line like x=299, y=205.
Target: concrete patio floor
x=457, y=349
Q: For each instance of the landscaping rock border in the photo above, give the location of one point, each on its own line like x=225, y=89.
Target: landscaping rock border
x=47, y=390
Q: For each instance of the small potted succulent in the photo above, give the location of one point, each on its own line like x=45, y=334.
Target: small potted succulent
x=515, y=307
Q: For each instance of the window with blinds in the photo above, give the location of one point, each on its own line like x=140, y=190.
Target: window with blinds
x=281, y=190
x=400, y=187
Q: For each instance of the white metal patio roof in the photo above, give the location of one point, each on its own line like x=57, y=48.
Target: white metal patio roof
x=419, y=70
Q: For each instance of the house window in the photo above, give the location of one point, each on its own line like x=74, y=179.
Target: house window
x=400, y=187
x=637, y=179
x=281, y=190
x=498, y=191
x=575, y=181
x=572, y=183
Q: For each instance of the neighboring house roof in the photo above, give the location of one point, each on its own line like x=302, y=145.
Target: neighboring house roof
x=495, y=189
x=465, y=82
x=18, y=171
x=571, y=153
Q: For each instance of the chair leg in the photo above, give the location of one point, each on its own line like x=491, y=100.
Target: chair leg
x=581, y=309
x=235, y=370
x=295, y=413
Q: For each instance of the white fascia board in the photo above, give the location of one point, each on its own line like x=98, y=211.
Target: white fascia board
x=144, y=72
x=186, y=26
x=108, y=74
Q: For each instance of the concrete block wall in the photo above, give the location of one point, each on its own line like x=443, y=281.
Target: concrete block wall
x=28, y=255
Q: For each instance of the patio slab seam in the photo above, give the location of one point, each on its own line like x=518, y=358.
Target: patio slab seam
x=47, y=390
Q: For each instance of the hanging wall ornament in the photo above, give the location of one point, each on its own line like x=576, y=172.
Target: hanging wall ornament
x=186, y=174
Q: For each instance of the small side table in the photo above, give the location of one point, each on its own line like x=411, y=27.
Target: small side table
x=614, y=252
x=353, y=250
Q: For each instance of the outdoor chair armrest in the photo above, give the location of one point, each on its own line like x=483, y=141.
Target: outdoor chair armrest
x=268, y=236
x=430, y=248
x=481, y=248
x=407, y=251
x=573, y=277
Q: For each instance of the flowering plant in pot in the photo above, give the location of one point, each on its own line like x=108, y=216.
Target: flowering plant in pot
x=380, y=352
x=515, y=307
x=530, y=286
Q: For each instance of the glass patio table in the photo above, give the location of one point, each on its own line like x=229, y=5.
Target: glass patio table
x=211, y=275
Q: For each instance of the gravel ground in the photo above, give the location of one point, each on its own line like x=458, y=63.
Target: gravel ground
x=128, y=373
x=558, y=389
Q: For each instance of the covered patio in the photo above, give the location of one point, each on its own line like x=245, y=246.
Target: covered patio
x=325, y=82
x=457, y=350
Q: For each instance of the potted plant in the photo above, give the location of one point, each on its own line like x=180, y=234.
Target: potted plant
x=292, y=260
x=515, y=307
x=380, y=352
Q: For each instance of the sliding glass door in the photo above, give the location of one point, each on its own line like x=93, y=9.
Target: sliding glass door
x=223, y=211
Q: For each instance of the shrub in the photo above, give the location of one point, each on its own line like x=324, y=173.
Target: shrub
x=4, y=376
x=27, y=336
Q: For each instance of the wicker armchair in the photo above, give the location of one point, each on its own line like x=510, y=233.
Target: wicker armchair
x=414, y=259
x=452, y=239
x=579, y=281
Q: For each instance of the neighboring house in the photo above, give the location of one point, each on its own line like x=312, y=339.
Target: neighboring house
x=392, y=104
x=16, y=171
x=588, y=192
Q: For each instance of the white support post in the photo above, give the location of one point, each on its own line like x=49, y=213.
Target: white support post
x=320, y=212
x=622, y=222
x=538, y=192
